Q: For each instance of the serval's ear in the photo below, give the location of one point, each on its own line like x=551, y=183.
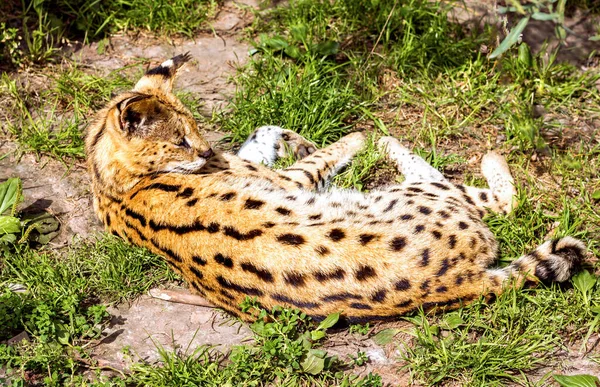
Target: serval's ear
x=162, y=77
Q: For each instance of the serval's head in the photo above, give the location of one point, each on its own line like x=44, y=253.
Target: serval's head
x=145, y=131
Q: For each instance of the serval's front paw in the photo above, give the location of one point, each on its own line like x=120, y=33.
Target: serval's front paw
x=292, y=142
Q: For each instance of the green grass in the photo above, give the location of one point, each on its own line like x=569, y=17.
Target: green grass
x=32, y=31
x=312, y=98
x=496, y=344
x=50, y=120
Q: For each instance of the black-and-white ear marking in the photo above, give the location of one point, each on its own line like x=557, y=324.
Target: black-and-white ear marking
x=162, y=76
x=169, y=67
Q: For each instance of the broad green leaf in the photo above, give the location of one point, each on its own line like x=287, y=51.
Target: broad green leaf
x=326, y=48
x=584, y=281
x=385, y=336
x=577, y=380
x=8, y=238
x=313, y=364
x=319, y=353
x=329, y=321
x=511, y=38
x=9, y=225
x=62, y=334
x=10, y=192
x=525, y=55
x=453, y=321
x=293, y=52
x=595, y=39
x=275, y=43
x=596, y=194
x=544, y=16
x=299, y=32
x=317, y=335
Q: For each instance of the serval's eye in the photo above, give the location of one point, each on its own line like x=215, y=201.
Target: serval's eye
x=184, y=143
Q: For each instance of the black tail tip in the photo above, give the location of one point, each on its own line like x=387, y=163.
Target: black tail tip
x=570, y=249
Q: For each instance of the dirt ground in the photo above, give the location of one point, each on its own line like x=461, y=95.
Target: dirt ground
x=63, y=190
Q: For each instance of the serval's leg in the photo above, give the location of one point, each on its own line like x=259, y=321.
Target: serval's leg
x=313, y=172
x=268, y=143
x=413, y=167
x=501, y=197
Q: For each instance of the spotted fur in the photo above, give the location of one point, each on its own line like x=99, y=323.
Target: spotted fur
x=233, y=227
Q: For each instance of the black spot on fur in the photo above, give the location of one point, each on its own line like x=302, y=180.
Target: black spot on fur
x=294, y=279
x=268, y=225
x=425, y=258
x=403, y=304
x=283, y=211
x=223, y=260
x=186, y=193
x=162, y=187
x=136, y=215
x=227, y=197
x=444, y=268
x=252, y=204
x=441, y=186
x=419, y=228
x=213, y=227
x=436, y=234
x=168, y=252
x=251, y=167
x=337, y=274
x=336, y=234
x=414, y=189
x=291, y=239
x=365, y=238
x=322, y=250
x=236, y=234
x=483, y=196
x=390, y=205
x=341, y=297
x=407, y=217
x=463, y=225
x=364, y=272
x=263, y=274
x=315, y=217
x=238, y=288
x=402, y=285
x=199, y=260
x=452, y=241
x=358, y=305
x=196, y=272
x=468, y=199
x=379, y=296
x=424, y=210
x=398, y=243
x=191, y=203
x=441, y=289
